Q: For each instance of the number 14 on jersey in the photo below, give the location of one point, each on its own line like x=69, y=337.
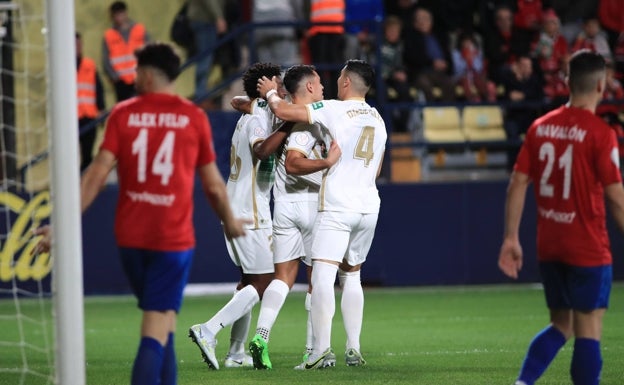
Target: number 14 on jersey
x=162, y=165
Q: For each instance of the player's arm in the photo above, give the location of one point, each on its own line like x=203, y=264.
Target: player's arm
x=263, y=149
x=615, y=197
x=216, y=193
x=380, y=165
x=510, y=257
x=281, y=108
x=91, y=183
x=241, y=104
x=94, y=177
x=298, y=164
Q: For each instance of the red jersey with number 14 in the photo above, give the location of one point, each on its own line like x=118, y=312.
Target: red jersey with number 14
x=571, y=155
x=159, y=140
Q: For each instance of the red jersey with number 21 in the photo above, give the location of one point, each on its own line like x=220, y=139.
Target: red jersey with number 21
x=159, y=140
x=571, y=155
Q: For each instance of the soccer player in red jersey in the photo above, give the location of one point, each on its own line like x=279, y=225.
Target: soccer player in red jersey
x=571, y=155
x=158, y=140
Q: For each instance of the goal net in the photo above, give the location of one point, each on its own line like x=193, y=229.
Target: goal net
x=29, y=312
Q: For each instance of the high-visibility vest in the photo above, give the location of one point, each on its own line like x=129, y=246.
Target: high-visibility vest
x=330, y=11
x=121, y=53
x=85, y=79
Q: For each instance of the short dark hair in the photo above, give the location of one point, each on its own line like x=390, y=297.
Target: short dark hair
x=294, y=75
x=160, y=56
x=585, y=65
x=117, y=6
x=362, y=69
x=255, y=72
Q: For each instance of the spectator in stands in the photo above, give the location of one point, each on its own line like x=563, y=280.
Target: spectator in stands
x=592, y=38
x=404, y=9
x=613, y=87
x=528, y=15
x=207, y=19
x=120, y=41
x=503, y=44
x=469, y=70
x=393, y=70
x=521, y=82
x=522, y=85
x=326, y=42
x=360, y=38
x=528, y=20
x=610, y=14
x=572, y=14
x=551, y=52
x=611, y=108
x=486, y=14
x=90, y=102
x=277, y=44
x=428, y=59
x=228, y=55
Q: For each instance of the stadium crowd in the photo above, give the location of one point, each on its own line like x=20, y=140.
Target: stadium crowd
x=511, y=52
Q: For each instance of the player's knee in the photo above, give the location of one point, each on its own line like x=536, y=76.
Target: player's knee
x=348, y=276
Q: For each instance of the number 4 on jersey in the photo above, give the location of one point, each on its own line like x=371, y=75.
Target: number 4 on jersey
x=364, y=146
x=162, y=164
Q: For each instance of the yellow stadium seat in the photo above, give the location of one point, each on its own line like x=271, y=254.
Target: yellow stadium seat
x=442, y=125
x=483, y=123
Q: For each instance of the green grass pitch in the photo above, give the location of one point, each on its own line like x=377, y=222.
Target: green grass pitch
x=458, y=335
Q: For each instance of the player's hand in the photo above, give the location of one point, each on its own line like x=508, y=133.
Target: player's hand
x=510, y=258
x=334, y=153
x=265, y=85
x=236, y=227
x=45, y=243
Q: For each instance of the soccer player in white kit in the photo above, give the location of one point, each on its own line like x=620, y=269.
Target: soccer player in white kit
x=249, y=189
x=297, y=182
x=348, y=204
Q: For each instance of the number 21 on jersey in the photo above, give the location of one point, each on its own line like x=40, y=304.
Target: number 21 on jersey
x=162, y=165
x=564, y=162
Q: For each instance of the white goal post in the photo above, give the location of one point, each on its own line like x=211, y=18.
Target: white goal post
x=65, y=190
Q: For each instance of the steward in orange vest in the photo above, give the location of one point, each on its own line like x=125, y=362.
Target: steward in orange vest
x=120, y=42
x=121, y=52
x=86, y=81
x=327, y=11
x=90, y=102
x=326, y=42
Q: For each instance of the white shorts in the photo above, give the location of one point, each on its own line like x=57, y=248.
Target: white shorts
x=342, y=236
x=252, y=252
x=293, y=226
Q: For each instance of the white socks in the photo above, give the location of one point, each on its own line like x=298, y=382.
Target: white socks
x=309, y=333
x=239, y=334
x=323, y=303
x=240, y=304
x=352, y=306
x=272, y=301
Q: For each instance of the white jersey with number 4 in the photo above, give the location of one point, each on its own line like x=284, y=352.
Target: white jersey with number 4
x=349, y=186
x=250, y=181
